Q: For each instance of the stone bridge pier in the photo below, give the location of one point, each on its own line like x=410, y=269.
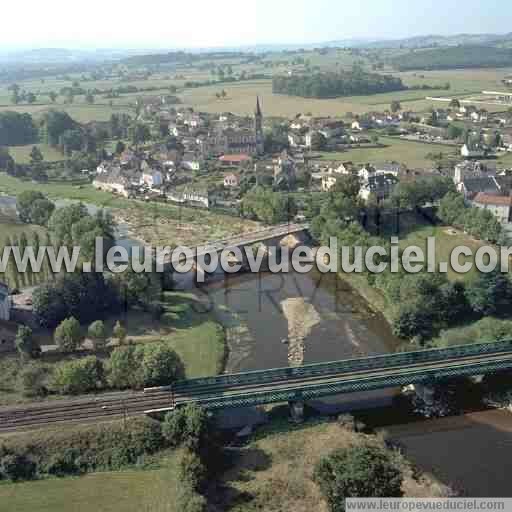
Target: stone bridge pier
x=297, y=409
x=425, y=392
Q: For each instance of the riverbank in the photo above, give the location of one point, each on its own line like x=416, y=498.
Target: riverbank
x=273, y=471
x=153, y=223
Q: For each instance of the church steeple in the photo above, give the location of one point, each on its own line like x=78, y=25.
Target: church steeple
x=258, y=127
x=258, y=108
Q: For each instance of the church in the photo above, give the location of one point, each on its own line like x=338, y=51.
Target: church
x=236, y=140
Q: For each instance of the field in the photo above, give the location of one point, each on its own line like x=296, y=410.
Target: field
x=129, y=491
x=413, y=154
x=21, y=154
x=241, y=96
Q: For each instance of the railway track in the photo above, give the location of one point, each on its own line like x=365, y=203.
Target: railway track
x=119, y=405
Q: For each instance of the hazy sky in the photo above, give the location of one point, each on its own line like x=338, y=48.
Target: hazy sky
x=200, y=23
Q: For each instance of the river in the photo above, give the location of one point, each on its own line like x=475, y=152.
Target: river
x=296, y=318
x=276, y=320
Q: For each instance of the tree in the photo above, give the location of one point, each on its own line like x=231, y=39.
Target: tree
x=123, y=368
x=89, y=98
x=36, y=157
x=318, y=141
x=97, y=333
x=34, y=208
x=17, y=129
x=490, y=294
x=120, y=147
x=7, y=163
x=454, y=132
x=395, y=106
x=54, y=124
x=187, y=426
x=78, y=376
x=17, y=467
x=119, y=333
x=364, y=471
x=31, y=98
x=83, y=295
x=53, y=96
x=140, y=133
x=160, y=365
x=68, y=335
x=347, y=185
x=32, y=380
x=25, y=343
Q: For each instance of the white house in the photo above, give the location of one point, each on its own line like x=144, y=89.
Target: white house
x=231, y=180
x=114, y=184
x=468, y=152
x=500, y=206
x=151, y=178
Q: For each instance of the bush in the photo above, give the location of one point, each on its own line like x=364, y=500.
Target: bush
x=62, y=464
x=191, y=470
x=32, y=380
x=17, y=467
x=123, y=368
x=68, y=335
x=97, y=334
x=187, y=500
x=187, y=426
x=25, y=343
x=365, y=471
x=78, y=376
x=88, y=448
x=119, y=333
x=160, y=365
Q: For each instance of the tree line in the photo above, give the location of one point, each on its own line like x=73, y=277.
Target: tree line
x=332, y=85
x=455, y=57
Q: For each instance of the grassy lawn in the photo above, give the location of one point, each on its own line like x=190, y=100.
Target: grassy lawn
x=127, y=491
x=413, y=154
x=187, y=327
x=446, y=240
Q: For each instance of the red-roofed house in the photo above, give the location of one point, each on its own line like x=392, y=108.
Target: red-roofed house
x=499, y=206
x=234, y=160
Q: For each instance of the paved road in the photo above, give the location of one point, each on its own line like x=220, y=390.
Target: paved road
x=118, y=405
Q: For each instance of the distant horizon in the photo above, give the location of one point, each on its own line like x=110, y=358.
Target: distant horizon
x=307, y=44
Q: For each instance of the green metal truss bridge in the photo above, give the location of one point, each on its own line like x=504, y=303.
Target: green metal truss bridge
x=310, y=382
x=295, y=385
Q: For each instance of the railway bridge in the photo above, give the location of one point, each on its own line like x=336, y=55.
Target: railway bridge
x=295, y=385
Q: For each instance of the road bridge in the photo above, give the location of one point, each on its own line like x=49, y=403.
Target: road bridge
x=272, y=233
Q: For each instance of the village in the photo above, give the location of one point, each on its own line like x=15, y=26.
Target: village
x=211, y=160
